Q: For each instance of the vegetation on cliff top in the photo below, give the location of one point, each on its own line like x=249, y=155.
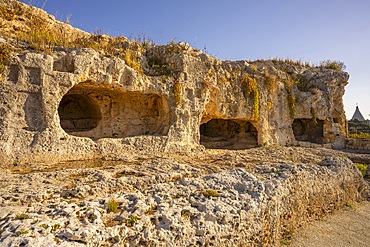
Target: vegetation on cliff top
x=333, y=64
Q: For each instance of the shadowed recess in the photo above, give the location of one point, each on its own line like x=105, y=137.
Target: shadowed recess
x=228, y=134
x=78, y=113
x=101, y=111
x=309, y=130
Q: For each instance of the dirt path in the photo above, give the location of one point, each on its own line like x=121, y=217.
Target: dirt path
x=347, y=228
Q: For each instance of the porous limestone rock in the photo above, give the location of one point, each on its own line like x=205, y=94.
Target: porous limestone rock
x=136, y=108
x=234, y=207
x=84, y=103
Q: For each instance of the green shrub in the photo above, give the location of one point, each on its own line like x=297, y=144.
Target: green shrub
x=131, y=221
x=359, y=135
x=357, y=123
x=112, y=205
x=362, y=168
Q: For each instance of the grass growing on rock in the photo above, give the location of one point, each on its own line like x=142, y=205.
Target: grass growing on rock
x=44, y=226
x=131, y=58
x=333, y=64
x=269, y=82
x=362, y=168
x=55, y=227
x=177, y=91
x=5, y=53
x=22, y=216
x=210, y=193
x=151, y=210
x=250, y=90
x=112, y=206
x=43, y=37
x=289, y=84
x=21, y=232
x=291, y=105
x=291, y=62
x=131, y=221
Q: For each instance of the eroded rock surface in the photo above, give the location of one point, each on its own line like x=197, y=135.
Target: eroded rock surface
x=144, y=121
x=80, y=96
x=224, y=198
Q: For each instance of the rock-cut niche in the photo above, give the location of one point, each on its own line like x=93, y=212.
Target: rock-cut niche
x=309, y=130
x=96, y=111
x=78, y=113
x=228, y=134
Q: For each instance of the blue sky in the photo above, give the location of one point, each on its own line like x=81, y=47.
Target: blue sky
x=305, y=30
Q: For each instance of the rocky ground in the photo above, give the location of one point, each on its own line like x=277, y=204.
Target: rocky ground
x=209, y=198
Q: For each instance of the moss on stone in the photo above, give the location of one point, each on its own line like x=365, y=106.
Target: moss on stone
x=250, y=90
x=177, y=91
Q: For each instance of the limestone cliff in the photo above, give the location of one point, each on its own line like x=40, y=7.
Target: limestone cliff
x=68, y=95
x=152, y=116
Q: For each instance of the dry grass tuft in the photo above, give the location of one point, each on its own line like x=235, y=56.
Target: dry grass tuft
x=112, y=206
x=333, y=64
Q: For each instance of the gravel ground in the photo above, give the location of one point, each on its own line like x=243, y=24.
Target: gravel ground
x=349, y=227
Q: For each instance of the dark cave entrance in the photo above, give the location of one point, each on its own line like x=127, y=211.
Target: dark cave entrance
x=309, y=130
x=228, y=134
x=78, y=113
x=101, y=111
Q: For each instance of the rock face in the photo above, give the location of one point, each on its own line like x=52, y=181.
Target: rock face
x=164, y=206
x=68, y=95
x=80, y=103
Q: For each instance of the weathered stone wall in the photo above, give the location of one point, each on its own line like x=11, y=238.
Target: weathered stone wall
x=70, y=110
x=61, y=103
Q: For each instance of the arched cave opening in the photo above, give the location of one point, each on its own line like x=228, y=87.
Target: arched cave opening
x=228, y=134
x=100, y=111
x=78, y=113
x=309, y=130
